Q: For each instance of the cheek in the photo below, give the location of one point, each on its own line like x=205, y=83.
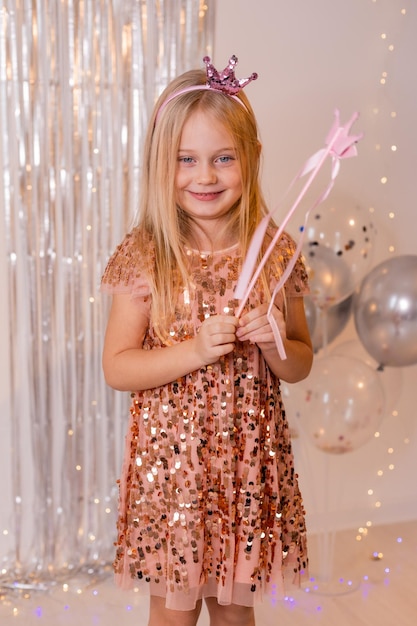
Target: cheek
x=237, y=183
x=179, y=180
x=236, y=178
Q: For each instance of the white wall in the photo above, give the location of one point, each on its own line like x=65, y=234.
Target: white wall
x=314, y=56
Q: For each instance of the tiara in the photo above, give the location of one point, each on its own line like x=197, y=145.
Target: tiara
x=224, y=82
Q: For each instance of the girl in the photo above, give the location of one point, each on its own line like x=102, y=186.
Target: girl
x=209, y=501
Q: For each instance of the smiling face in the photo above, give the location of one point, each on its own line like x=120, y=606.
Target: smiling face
x=208, y=179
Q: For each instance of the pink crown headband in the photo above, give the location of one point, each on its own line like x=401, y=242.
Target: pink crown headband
x=224, y=82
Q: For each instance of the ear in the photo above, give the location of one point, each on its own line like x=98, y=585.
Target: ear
x=259, y=148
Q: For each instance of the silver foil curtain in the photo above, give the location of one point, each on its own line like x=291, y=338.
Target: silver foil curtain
x=77, y=81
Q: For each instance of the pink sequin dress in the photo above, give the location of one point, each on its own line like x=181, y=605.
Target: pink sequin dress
x=209, y=499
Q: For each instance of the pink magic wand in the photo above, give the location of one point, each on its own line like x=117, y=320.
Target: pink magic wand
x=338, y=145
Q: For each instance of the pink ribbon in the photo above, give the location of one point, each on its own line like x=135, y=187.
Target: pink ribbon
x=338, y=145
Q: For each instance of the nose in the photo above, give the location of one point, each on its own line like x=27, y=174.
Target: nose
x=206, y=174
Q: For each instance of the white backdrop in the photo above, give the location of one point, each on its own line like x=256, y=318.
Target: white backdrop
x=314, y=56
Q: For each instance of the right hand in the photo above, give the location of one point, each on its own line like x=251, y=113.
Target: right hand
x=216, y=337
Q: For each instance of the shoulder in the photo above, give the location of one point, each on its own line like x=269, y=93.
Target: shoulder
x=284, y=251
x=285, y=246
x=127, y=267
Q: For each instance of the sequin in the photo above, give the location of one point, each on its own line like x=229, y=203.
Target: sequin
x=209, y=494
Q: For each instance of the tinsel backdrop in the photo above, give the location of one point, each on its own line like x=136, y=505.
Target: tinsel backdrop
x=77, y=82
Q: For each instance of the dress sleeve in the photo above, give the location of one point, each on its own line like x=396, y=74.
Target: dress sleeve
x=124, y=273
x=297, y=282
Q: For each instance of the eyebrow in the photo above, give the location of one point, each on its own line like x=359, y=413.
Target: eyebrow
x=229, y=149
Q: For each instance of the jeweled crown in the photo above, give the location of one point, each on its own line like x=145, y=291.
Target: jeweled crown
x=226, y=80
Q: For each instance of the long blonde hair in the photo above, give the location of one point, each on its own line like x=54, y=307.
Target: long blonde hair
x=161, y=222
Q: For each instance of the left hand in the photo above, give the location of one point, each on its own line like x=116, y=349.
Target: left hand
x=255, y=327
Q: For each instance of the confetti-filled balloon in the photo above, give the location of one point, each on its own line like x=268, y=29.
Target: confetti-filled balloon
x=339, y=406
x=338, y=250
x=391, y=377
x=385, y=312
x=329, y=276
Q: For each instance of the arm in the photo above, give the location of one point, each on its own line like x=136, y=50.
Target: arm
x=128, y=367
x=254, y=327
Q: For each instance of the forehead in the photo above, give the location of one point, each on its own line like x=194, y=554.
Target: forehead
x=204, y=127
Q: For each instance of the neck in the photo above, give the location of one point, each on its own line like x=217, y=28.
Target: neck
x=210, y=240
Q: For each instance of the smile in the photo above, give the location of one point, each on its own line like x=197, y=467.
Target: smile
x=205, y=197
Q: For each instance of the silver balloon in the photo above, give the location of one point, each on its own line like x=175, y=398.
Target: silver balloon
x=328, y=323
x=311, y=314
x=385, y=312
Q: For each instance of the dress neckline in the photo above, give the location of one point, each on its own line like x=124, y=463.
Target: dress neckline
x=207, y=253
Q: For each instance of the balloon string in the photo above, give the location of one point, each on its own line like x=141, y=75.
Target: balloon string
x=337, y=136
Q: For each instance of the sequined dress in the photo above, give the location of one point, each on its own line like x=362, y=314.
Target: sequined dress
x=209, y=499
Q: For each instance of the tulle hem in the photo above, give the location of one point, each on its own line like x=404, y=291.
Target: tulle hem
x=239, y=593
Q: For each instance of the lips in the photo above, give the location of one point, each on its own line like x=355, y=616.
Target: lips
x=205, y=197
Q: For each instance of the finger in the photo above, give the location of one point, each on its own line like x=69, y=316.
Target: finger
x=262, y=338
x=219, y=321
x=222, y=329
x=251, y=327
x=258, y=311
x=223, y=338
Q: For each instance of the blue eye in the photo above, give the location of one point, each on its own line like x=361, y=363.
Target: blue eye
x=185, y=159
x=225, y=159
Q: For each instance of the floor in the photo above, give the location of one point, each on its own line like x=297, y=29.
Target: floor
x=371, y=582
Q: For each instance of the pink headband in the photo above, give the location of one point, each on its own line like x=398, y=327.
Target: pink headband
x=224, y=82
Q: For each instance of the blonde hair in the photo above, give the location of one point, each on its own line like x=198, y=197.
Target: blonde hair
x=160, y=219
